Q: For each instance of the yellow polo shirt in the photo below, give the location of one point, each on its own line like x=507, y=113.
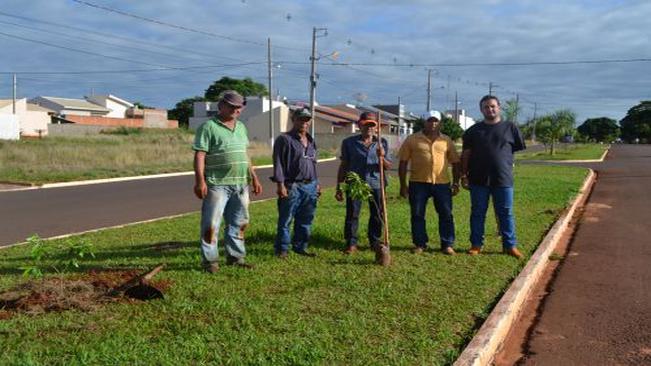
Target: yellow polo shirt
x=429, y=159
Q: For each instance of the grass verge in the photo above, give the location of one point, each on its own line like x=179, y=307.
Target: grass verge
x=122, y=153
x=333, y=309
x=567, y=152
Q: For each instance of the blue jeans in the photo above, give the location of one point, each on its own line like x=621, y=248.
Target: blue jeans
x=503, y=205
x=232, y=203
x=299, y=206
x=419, y=194
x=353, y=208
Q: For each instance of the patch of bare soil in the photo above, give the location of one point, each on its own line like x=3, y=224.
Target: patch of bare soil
x=85, y=292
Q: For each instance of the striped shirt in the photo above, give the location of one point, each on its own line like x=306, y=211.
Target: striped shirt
x=227, y=162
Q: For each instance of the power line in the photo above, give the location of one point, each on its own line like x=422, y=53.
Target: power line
x=176, y=26
x=468, y=64
x=171, y=68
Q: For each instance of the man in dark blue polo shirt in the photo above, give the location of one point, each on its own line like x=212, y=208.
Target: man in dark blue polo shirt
x=294, y=160
x=487, y=170
x=359, y=154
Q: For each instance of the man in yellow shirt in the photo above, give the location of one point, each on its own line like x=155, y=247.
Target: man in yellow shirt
x=431, y=153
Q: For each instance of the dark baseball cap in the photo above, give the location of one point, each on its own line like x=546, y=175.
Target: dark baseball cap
x=367, y=117
x=302, y=113
x=233, y=98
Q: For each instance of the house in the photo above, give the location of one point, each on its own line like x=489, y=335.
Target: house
x=390, y=124
x=406, y=120
x=460, y=116
x=118, y=107
x=72, y=107
x=32, y=120
x=104, y=110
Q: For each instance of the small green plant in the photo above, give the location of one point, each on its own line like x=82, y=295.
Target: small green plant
x=40, y=253
x=356, y=188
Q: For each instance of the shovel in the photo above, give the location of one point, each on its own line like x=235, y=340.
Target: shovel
x=382, y=253
x=139, y=287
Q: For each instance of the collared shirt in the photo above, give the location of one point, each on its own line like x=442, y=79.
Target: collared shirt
x=292, y=161
x=430, y=159
x=491, y=152
x=362, y=159
x=227, y=162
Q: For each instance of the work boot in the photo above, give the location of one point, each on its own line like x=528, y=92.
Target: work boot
x=417, y=250
x=211, y=267
x=474, y=250
x=448, y=251
x=282, y=255
x=351, y=249
x=513, y=252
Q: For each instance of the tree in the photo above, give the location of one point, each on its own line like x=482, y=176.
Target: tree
x=550, y=128
x=184, y=110
x=511, y=110
x=245, y=86
x=451, y=128
x=637, y=123
x=599, y=129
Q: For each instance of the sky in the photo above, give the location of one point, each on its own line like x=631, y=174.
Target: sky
x=591, y=56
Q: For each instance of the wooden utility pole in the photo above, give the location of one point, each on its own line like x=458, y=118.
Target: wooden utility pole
x=429, y=89
x=14, y=95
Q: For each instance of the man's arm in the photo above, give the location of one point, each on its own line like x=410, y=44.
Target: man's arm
x=465, y=158
x=341, y=176
x=256, y=187
x=402, y=174
x=200, y=187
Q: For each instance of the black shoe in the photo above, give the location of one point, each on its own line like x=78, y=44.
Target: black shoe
x=306, y=254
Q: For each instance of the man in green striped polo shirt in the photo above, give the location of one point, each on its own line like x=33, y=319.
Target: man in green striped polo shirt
x=223, y=172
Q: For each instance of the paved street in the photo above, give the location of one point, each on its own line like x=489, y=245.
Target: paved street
x=598, y=309
x=57, y=211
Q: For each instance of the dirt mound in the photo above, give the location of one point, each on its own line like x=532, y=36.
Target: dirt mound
x=85, y=292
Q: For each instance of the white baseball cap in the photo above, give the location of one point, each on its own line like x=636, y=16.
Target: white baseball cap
x=431, y=114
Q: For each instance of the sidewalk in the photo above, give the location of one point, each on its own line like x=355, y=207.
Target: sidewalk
x=598, y=311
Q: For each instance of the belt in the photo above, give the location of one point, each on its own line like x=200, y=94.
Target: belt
x=303, y=181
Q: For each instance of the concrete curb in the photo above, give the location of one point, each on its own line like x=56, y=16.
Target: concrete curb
x=484, y=345
x=601, y=159
x=124, y=179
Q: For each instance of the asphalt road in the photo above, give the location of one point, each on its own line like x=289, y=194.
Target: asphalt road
x=57, y=211
x=598, y=308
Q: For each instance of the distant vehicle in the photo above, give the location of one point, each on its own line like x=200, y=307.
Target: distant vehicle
x=568, y=139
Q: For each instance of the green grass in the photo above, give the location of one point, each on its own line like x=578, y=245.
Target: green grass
x=567, y=152
x=332, y=309
x=121, y=153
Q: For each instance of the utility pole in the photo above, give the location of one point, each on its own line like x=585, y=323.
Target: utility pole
x=447, y=95
x=14, y=96
x=491, y=86
x=456, y=107
x=517, y=107
x=313, y=75
x=429, y=89
x=533, y=133
x=400, y=119
x=271, y=112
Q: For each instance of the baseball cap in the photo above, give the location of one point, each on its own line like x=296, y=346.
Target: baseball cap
x=302, y=113
x=431, y=114
x=233, y=98
x=367, y=117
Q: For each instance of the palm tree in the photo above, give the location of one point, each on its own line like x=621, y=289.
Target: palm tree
x=550, y=128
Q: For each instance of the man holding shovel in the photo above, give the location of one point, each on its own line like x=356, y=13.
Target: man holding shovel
x=363, y=154
x=430, y=153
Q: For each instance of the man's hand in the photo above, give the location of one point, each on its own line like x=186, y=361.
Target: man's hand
x=339, y=195
x=404, y=191
x=464, y=182
x=256, y=187
x=201, y=190
x=281, y=190
x=318, y=190
x=454, y=188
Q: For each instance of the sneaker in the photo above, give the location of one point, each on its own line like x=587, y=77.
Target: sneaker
x=417, y=250
x=513, y=252
x=474, y=250
x=351, y=249
x=306, y=254
x=211, y=268
x=448, y=251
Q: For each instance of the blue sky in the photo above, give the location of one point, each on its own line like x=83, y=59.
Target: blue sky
x=379, y=39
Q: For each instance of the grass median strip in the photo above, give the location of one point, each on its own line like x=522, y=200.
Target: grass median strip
x=567, y=152
x=333, y=309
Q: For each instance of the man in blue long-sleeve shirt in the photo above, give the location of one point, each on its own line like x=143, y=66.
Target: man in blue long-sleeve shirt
x=294, y=160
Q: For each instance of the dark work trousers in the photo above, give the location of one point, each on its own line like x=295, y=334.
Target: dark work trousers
x=353, y=208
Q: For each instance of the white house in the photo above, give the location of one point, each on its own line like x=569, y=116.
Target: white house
x=69, y=106
x=32, y=119
x=464, y=121
x=118, y=107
